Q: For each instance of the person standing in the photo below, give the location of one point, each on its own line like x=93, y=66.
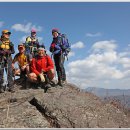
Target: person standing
x=57, y=50
x=31, y=45
x=6, y=49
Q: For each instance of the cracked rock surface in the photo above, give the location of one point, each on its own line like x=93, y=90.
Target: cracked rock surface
x=66, y=107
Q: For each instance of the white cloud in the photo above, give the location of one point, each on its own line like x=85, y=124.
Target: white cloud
x=40, y=39
x=104, y=65
x=78, y=45
x=71, y=54
x=93, y=34
x=1, y=24
x=104, y=46
x=26, y=28
x=23, y=39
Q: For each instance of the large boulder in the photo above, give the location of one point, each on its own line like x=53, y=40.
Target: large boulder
x=66, y=107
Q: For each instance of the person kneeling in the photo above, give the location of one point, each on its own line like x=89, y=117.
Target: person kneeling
x=42, y=68
x=23, y=64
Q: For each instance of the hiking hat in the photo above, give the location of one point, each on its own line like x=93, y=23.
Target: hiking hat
x=33, y=31
x=21, y=45
x=40, y=49
x=6, y=32
x=55, y=30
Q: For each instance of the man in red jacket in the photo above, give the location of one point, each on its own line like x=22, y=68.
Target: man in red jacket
x=41, y=65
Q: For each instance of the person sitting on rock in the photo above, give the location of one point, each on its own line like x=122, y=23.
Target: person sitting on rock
x=42, y=68
x=21, y=58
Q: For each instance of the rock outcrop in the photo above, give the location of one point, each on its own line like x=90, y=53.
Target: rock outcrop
x=66, y=107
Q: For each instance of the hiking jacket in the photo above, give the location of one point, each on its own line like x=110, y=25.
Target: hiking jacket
x=56, y=45
x=21, y=59
x=6, y=48
x=31, y=44
x=40, y=64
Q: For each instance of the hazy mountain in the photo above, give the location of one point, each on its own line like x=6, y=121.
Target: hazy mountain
x=101, y=92
x=120, y=95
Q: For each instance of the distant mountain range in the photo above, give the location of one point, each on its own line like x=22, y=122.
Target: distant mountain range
x=102, y=92
x=122, y=95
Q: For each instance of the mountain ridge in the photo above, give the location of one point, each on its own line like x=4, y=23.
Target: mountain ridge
x=66, y=107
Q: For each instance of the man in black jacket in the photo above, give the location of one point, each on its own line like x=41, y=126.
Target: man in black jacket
x=6, y=49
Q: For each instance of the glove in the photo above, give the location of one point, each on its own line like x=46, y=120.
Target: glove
x=8, y=52
x=53, y=45
x=2, y=52
x=42, y=78
x=57, y=47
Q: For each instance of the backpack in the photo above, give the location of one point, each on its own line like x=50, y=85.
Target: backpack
x=65, y=45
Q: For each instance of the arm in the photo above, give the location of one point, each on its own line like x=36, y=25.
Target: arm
x=12, y=51
x=50, y=64
x=33, y=67
x=14, y=60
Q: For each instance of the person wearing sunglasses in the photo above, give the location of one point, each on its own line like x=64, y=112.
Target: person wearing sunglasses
x=6, y=49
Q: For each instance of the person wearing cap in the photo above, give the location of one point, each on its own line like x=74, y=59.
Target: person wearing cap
x=22, y=61
x=56, y=50
x=41, y=65
x=31, y=45
x=6, y=49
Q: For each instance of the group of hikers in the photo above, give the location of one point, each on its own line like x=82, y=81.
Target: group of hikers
x=35, y=65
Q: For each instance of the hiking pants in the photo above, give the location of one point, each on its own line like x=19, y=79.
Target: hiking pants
x=59, y=64
x=6, y=63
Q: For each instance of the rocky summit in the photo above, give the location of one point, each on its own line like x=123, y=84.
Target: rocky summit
x=59, y=107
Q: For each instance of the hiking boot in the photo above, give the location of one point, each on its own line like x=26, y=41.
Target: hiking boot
x=27, y=84
x=2, y=90
x=52, y=83
x=64, y=82
x=60, y=83
x=47, y=86
x=11, y=89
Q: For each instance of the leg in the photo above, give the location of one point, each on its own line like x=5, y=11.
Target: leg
x=10, y=74
x=57, y=65
x=59, y=68
x=23, y=74
x=17, y=72
x=62, y=68
x=1, y=79
x=50, y=74
x=27, y=70
x=32, y=77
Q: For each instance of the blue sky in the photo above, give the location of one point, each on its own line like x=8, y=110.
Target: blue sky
x=99, y=33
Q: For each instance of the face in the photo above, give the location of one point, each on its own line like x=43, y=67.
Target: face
x=6, y=35
x=55, y=34
x=41, y=53
x=33, y=34
x=21, y=49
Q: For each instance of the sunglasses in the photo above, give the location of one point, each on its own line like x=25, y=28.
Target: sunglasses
x=20, y=47
x=7, y=33
x=54, y=32
x=33, y=32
